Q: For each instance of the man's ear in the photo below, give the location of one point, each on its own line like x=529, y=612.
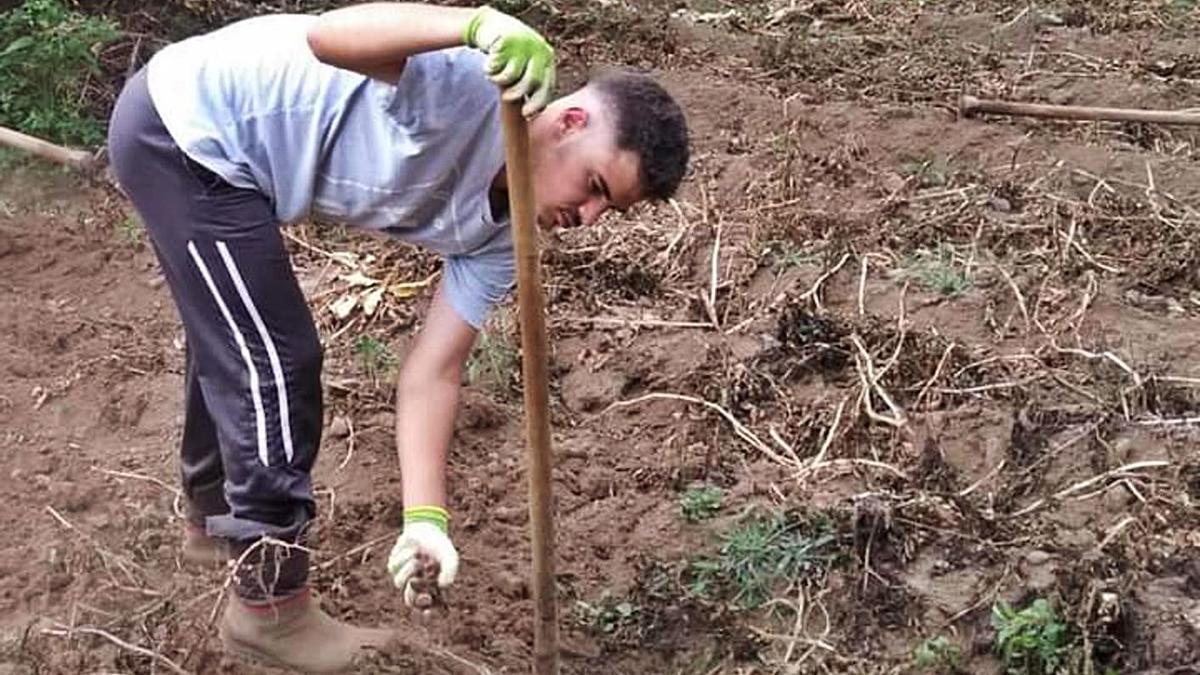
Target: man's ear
x=571, y=120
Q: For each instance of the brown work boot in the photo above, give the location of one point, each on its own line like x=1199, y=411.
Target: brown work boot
x=294, y=633
x=199, y=549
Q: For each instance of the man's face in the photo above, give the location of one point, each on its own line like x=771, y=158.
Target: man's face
x=578, y=172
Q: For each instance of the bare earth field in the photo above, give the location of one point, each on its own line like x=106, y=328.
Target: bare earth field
x=875, y=372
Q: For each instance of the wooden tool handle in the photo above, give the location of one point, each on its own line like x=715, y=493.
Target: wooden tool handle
x=522, y=208
x=969, y=106
x=78, y=159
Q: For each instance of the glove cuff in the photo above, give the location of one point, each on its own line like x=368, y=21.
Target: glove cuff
x=470, y=33
x=428, y=514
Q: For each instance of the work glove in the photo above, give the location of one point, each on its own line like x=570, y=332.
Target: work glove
x=519, y=59
x=423, y=540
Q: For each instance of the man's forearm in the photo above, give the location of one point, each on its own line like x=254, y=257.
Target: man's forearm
x=384, y=34
x=425, y=411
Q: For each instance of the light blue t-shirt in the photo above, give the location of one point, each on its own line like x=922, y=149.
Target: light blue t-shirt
x=253, y=104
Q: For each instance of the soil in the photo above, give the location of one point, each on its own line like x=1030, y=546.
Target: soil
x=1026, y=293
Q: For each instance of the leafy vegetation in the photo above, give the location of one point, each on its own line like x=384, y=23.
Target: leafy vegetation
x=493, y=362
x=759, y=557
x=937, y=271
x=607, y=615
x=700, y=503
x=937, y=655
x=374, y=356
x=1032, y=641
x=46, y=50
x=129, y=230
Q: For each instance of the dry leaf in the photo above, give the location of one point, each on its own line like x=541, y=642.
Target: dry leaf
x=370, y=300
x=342, y=307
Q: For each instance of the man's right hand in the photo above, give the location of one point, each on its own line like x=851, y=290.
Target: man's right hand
x=423, y=539
x=519, y=58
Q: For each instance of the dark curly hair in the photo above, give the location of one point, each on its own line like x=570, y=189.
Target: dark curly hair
x=649, y=123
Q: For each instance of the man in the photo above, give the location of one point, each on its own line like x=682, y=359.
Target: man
x=384, y=116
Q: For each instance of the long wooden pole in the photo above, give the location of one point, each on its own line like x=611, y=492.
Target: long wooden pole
x=533, y=361
x=79, y=159
x=969, y=106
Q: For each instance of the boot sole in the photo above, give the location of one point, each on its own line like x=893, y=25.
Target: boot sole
x=245, y=652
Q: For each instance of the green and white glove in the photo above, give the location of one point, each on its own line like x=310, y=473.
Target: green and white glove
x=424, y=539
x=519, y=58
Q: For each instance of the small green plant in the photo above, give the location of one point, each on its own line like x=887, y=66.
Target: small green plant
x=45, y=50
x=493, y=361
x=607, y=615
x=758, y=556
x=788, y=254
x=1184, y=5
x=937, y=271
x=926, y=171
x=937, y=655
x=700, y=503
x=1032, y=641
x=374, y=356
x=129, y=231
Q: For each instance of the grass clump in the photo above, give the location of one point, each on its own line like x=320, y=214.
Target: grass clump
x=45, y=51
x=937, y=655
x=1031, y=641
x=937, y=271
x=374, y=356
x=493, y=362
x=700, y=503
x=759, y=557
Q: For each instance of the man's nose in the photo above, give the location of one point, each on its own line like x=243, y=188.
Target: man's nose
x=591, y=210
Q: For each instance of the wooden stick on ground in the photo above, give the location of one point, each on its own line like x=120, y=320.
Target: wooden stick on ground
x=522, y=207
x=970, y=106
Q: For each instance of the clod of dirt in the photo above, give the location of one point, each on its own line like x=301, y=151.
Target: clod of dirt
x=478, y=412
x=339, y=427
x=584, y=391
x=512, y=585
x=1193, y=618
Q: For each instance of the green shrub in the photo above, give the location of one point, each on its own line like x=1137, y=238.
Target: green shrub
x=760, y=556
x=47, y=49
x=1032, y=641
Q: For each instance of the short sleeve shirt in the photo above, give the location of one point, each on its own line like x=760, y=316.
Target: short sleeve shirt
x=416, y=159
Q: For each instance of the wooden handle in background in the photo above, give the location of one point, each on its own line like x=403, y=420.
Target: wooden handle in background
x=522, y=208
x=969, y=106
x=79, y=159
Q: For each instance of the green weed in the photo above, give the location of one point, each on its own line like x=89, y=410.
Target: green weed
x=788, y=254
x=758, y=557
x=46, y=51
x=129, y=231
x=937, y=655
x=607, y=615
x=700, y=503
x=1032, y=641
x=926, y=171
x=374, y=356
x=493, y=361
x=937, y=271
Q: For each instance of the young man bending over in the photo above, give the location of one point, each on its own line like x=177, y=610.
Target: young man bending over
x=384, y=116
